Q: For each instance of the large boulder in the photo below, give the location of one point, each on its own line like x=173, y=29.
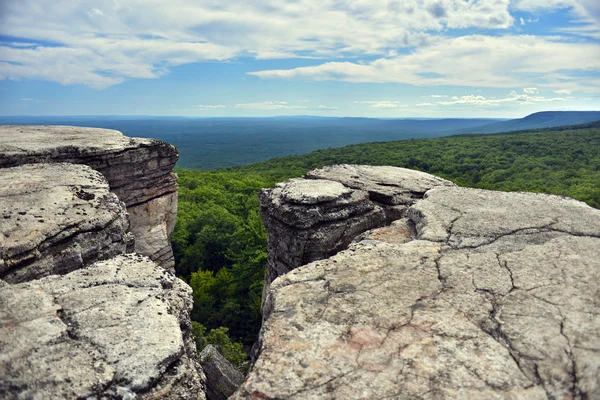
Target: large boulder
x=222, y=378
x=474, y=294
x=116, y=329
x=139, y=172
x=314, y=218
x=55, y=218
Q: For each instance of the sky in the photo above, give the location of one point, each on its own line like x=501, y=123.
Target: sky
x=368, y=58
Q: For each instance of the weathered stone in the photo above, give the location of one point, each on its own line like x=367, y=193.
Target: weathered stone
x=55, y=218
x=314, y=218
x=139, y=172
x=222, y=378
x=477, y=294
x=116, y=329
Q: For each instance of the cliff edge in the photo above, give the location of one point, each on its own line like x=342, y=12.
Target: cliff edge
x=390, y=283
x=81, y=316
x=139, y=172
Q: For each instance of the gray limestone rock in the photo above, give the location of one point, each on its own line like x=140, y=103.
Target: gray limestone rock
x=474, y=295
x=116, y=329
x=222, y=378
x=139, y=172
x=55, y=218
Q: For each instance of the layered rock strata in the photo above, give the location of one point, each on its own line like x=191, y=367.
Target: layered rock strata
x=139, y=172
x=474, y=294
x=222, y=378
x=314, y=218
x=116, y=329
x=56, y=218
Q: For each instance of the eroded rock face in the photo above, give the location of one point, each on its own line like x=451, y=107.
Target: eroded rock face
x=55, y=218
x=139, y=172
x=222, y=379
x=314, y=218
x=116, y=329
x=475, y=294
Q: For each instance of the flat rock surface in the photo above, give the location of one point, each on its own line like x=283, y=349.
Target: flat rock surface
x=116, y=329
x=55, y=218
x=477, y=295
x=21, y=141
x=389, y=185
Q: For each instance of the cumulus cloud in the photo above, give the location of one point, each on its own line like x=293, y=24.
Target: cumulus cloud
x=102, y=43
x=531, y=90
x=210, y=107
x=322, y=107
x=106, y=42
x=481, y=61
x=584, y=13
x=513, y=97
x=269, y=105
x=382, y=103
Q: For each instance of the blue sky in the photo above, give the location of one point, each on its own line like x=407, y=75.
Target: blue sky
x=371, y=58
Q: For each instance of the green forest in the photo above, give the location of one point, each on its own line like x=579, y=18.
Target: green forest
x=220, y=242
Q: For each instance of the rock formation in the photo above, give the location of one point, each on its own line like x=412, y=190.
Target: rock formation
x=222, y=379
x=116, y=329
x=467, y=294
x=139, y=172
x=314, y=218
x=78, y=317
x=56, y=218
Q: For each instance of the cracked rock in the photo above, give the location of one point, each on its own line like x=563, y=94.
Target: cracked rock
x=116, y=329
x=474, y=294
x=314, y=218
x=57, y=218
x=139, y=172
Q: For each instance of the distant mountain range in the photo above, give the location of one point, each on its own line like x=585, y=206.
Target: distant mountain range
x=544, y=119
x=211, y=143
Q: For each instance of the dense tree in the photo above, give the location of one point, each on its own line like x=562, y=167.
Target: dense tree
x=220, y=241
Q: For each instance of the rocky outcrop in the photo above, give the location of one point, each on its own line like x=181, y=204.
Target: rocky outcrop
x=78, y=318
x=139, y=172
x=222, y=378
x=56, y=218
x=314, y=218
x=471, y=294
x=116, y=329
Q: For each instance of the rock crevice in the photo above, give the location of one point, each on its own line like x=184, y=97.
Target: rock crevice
x=470, y=294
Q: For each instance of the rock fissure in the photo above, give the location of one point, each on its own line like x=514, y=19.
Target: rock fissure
x=458, y=300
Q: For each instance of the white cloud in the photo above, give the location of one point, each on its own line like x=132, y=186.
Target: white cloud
x=107, y=42
x=531, y=90
x=209, y=107
x=322, y=107
x=269, y=105
x=480, y=61
x=585, y=13
x=423, y=104
x=515, y=97
x=563, y=91
x=102, y=43
x=522, y=21
x=382, y=104
x=437, y=96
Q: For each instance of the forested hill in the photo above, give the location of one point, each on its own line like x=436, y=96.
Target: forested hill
x=544, y=119
x=563, y=160
x=220, y=241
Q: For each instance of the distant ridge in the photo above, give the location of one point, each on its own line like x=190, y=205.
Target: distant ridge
x=544, y=119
